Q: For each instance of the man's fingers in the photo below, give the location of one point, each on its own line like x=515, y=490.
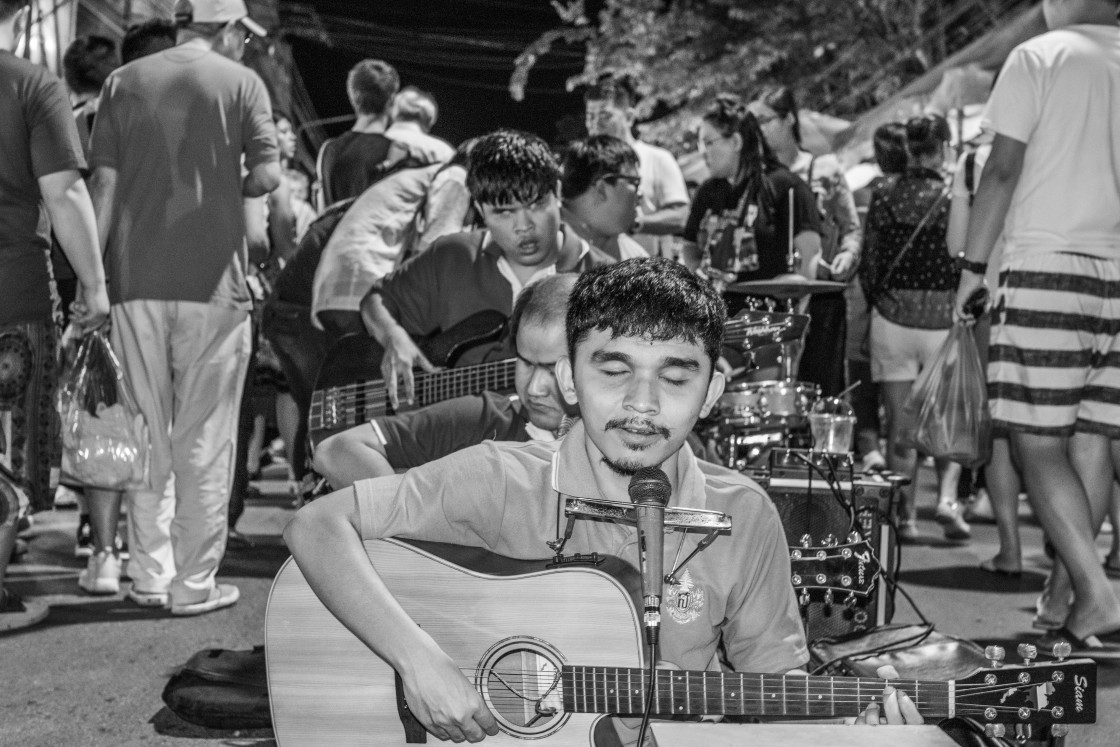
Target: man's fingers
x=910, y=714
x=389, y=376
x=424, y=363
x=871, y=715
x=890, y=706
x=409, y=385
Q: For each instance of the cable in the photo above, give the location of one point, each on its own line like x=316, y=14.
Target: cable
x=649, y=694
x=837, y=493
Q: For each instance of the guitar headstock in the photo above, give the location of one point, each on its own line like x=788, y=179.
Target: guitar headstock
x=1035, y=693
x=833, y=569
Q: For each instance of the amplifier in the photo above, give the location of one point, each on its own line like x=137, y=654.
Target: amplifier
x=831, y=513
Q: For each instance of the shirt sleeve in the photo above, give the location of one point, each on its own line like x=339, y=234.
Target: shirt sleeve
x=844, y=209
x=763, y=632
x=258, y=130
x=104, y=137
x=671, y=188
x=410, y=292
x=53, y=136
x=460, y=499
x=416, y=437
x=1015, y=105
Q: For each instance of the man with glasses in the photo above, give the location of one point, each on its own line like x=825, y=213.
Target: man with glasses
x=181, y=138
x=663, y=210
x=600, y=190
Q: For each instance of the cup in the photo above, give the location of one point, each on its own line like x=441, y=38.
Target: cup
x=832, y=422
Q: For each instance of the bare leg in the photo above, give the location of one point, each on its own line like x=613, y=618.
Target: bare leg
x=1004, y=487
x=1064, y=480
x=256, y=445
x=900, y=460
x=7, y=542
x=1113, y=557
x=287, y=421
x=104, y=517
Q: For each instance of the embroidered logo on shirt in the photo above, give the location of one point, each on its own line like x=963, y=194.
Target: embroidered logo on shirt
x=684, y=600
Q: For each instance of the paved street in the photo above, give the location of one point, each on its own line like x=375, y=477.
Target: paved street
x=92, y=673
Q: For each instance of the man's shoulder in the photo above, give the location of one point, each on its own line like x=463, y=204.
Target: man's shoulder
x=732, y=483
x=19, y=69
x=463, y=245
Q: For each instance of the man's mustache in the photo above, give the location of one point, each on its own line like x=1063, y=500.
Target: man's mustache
x=637, y=424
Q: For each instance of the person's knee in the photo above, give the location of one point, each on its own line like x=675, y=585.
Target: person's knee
x=327, y=454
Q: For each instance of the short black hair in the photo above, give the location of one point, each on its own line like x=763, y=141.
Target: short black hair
x=87, y=62
x=543, y=302
x=509, y=166
x=592, y=158
x=889, y=144
x=371, y=85
x=149, y=37
x=618, y=88
x=654, y=298
x=926, y=134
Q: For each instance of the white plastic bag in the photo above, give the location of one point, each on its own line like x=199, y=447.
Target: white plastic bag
x=105, y=440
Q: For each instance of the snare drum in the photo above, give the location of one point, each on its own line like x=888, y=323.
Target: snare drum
x=754, y=403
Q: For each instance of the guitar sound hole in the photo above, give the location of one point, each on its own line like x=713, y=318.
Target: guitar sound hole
x=520, y=682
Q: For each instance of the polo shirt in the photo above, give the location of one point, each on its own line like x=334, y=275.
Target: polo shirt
x=509, y=499
x=419, y=436
x=461, y=275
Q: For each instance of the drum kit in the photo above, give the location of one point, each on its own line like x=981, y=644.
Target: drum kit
x=753, y=417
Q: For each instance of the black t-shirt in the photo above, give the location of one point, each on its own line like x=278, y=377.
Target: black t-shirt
x=721, y=218
x=352, y=162
x=423, y=435
x=37, y=138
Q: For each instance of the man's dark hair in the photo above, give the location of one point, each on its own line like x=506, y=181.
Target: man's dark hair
x=371, y=85
x=149, y=37
x=889, y=143
x=508, y=167
x=592, y=158
x=654, y=299
x=543, y=302
x=926, y=134
x=87, y=63
x=618, y=88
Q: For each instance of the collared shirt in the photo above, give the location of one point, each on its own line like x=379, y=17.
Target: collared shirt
x=509, y=498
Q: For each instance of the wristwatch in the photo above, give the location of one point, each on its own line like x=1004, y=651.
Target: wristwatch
x=979, y=268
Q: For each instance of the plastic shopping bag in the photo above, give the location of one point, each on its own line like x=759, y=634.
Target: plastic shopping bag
x=948, y=405
x=105, y=440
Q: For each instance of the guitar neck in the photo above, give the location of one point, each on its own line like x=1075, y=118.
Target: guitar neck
x=677, y=693
x=458, y=382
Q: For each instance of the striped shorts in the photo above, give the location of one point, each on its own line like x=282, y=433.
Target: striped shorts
x=1054, y=365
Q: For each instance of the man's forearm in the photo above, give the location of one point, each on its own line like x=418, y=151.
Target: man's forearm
x=377, y=319
x=664, y=222
x=261, y=179
x=993, y=197
x=74, y=223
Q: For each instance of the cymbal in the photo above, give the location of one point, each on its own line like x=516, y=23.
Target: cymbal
x=785, y=286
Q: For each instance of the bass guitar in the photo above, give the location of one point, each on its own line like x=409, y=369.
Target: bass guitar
x=344, y=396
x=552, y=651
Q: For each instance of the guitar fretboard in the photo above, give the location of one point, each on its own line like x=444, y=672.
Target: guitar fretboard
x=622, y=691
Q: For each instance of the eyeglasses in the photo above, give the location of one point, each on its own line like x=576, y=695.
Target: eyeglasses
x=633, y=181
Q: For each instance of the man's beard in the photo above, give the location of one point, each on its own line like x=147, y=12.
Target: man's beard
x=624, y=467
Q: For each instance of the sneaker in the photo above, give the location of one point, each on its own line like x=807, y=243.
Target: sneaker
x=949, y=516
x=102, y=574
x=222, y=595
x=83, y=546
x=148, y=598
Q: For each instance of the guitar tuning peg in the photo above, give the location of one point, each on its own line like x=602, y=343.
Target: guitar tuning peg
x=1062, y=650
x=1028, y=652
x=995, y=731
x=806, y=540
x=828, y=598
x=1058, y=731
x=854, y=537
x=830, y=540
x=995, y=655
x=803, y=598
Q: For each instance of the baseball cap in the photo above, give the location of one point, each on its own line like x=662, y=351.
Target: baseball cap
x=216, y=11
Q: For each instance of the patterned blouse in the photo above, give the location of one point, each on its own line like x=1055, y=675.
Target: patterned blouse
x=898, y=205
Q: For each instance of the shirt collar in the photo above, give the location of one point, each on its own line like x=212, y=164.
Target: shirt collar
x=572, y=474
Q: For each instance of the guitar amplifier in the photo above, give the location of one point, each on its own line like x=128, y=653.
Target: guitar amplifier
x=823, y=504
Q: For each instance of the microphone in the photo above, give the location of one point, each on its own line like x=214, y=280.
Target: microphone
x=649, y=492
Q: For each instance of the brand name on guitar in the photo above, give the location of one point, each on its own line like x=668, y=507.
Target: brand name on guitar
x=1079, y=685
x=763, y=330
x=863, y=558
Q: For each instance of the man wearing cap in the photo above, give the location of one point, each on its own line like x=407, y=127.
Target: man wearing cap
x=182, y=136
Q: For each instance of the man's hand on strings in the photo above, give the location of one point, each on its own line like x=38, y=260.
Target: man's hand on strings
x=896, y=708
x=401, y=356
x=443, y=700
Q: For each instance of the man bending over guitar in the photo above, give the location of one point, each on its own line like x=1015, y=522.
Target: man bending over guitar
x=415, y=437
x=513, y=179
x=643, y=337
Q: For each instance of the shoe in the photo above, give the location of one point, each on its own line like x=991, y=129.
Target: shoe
x=238, y=541
x=19, y=549
x=949, y=517
x=11, y=602
x=907, y=530
x=979, y=509
x=1102, y=647
x=102, y=574
x=990, y=566
x=83, y=546
x=148, y=598
x=873, y=461
x=1112, y=566
x=222, y=595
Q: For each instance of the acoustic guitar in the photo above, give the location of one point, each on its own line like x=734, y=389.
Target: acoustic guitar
x=552, y=651
x=345, y=396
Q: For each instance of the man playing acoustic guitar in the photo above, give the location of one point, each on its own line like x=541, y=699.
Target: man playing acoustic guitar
x=643, y=337
x=411, y=438
x=514, y=181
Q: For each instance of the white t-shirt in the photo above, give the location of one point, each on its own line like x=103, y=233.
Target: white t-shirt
x=662, y=185
x=1060, y=94
x=629, y=248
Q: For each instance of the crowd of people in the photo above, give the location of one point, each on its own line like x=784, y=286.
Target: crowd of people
x=224, y=273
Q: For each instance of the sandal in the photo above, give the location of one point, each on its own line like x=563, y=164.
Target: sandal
x=990, y=566
x=11, y=602
x=1112, y=566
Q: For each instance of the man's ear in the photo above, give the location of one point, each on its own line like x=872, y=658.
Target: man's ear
x=565, y=379
x=715, y=391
